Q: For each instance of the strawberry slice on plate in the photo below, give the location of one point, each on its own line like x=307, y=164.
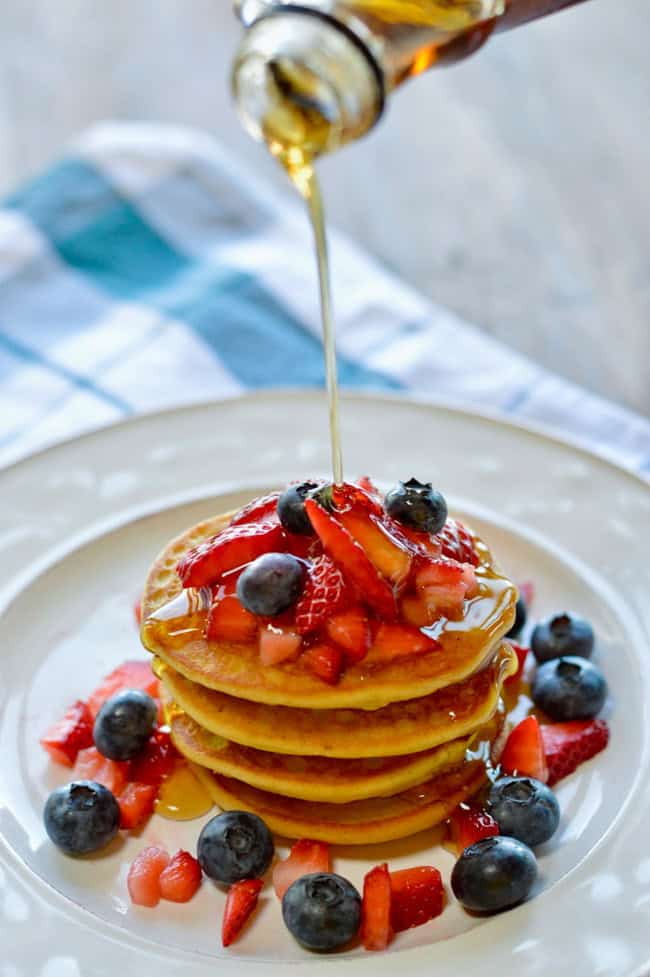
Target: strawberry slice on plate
x=258, y=510
x=91, y=765
x=457, y=543
x=136, y=804
x=523, y=754
x=128, y=675
x=324, y=661
x=376, y=928
x=470, y=824
x=240, y=902
x=394, y=641
x=350, y=630
x=143, y=880
x=417, y=896
x=278, y=645
x=305, y=857
x=567, y=745
x=71, y=733
x=231, y=548
x=156, y=760
x=181, y=877
x=323, y=593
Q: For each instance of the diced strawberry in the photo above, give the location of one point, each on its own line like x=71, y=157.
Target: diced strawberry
x=181, y=877
x=231, y=548
x=523, y=753
x=376, y=929
x=417, y=895
x=324, y=661
x=305, y=857
x=567, y=745
x=91, y=765
x=522, y=655
x=350, y=557
x=323, y=593
x=278, y=645
x=143, y=880
x=385, y=552
x=444, y=584
x=457, y=543
x=415, y=611
x=527, y=592
x=136, y=804
x=70, y=734
x=367, y=485
x=129, y=675
x=351, y=631
x=423, y=544
x=354, y=497
x=470, y=824
x=393, y=641
x=156, y=760
x=228, y=620
x=137, y=612
x=304, y=547
x=240, y=903
x=257, y=510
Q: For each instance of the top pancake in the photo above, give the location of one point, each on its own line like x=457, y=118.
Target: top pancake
x=236, y=669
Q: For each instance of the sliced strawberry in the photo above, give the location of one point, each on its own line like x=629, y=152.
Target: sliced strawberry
x=228, y=620
x=137, y=612
x=231, y=548
x=278, y=645
x=376, y=929
x=352, y=560
x=527, y=592
x=136, y=804
x=444, y=584
x=129, y=675
x=523, y=753
x=417, y=895
x=415, y=611
x=156, y=760
x=522, y=655
x=367, y=485
x=385, y=552
x=394, y=641
x=457, y=543
x=305, y=857
x=355, y=497
x=470, y=824
x=304, y=547
x=323, y=593
x=70, y=734
x=181, y=877
x=240, y=903
x=91, y=765
x=423, y=544
x=258, y=510
x=567, y=745
x=351, y=631
x=143, y=880
x=324, y=661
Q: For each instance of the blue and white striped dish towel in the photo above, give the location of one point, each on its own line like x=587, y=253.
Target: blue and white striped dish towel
x=146, y=270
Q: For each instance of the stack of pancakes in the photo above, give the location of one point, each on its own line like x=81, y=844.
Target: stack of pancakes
x=392, y=749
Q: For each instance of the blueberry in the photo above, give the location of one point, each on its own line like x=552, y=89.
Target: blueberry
x=562, y=634
x=494, y=873
x=520, y=618
x=524, y=808
x=322, y=911
x=291, y=508
x=81, y=817
x=569, y=688
x=271, y=584
x=235, y=845
x=124, y=724
x=417, y=505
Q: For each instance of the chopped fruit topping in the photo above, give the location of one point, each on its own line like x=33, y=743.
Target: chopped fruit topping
x=423, y=543
x=523, y=753
x=129, y=675
x=393, y=641
x=228, y=620
x=143, y=880
x=351, y=558
x=354, y=498
x=70, y=734
x=444, y=584
x=137, y=612
x=240, y=902
x=470, y=824
x=136, y=804
x=376, y=928
x=494, y=874
x=569, y=688
x=417, y=895
x=305, y=857
x=271, y=584
x=91, y=765
x=562, y=634
x=324, y=661
x=458, y=543
x=232, y=547
x=258, y=510
x=81, y=817
x=383, y=550
x=235, y=845
x=567, y=745
x=278, y=645
x=124, y=724
x=323, y=594
x=525, y=809
x=416, y=612
x=417, y=505
x=291, y=508
x=322, y=911
x=351, y=631
x=181, y=878
x=156, y=760
x=367, y=485
x=522, y=655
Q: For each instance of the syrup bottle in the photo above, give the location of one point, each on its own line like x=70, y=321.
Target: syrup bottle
x=313, y=75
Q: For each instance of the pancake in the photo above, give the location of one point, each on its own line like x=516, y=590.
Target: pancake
x=397, y=729
x=363, y=822
x=236, y=669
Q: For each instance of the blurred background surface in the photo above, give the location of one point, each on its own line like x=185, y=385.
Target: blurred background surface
x=512, y=188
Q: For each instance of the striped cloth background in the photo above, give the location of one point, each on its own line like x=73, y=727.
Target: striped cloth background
x=146, y=269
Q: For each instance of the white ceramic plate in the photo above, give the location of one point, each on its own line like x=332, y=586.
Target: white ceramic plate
x=79, y=525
